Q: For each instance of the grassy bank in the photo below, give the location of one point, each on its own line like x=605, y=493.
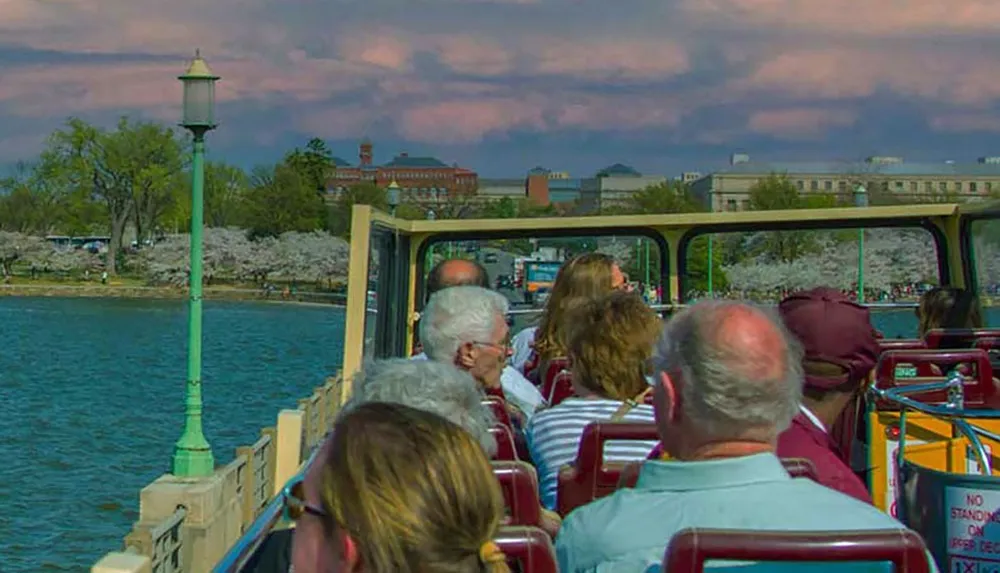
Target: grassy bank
x=129, y=288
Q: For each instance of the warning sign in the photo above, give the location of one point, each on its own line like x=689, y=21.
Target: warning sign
x=973, y=529
x=891, y=447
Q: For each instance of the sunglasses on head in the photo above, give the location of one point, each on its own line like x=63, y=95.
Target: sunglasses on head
x=294, y=499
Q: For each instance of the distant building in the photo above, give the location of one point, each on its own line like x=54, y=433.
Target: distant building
x=541, y=186
x=425, y=178
x=729, y=189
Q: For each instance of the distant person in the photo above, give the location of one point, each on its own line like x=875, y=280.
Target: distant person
x=582, y=278
x=728, y=381
x=840, y=352
x=463, y=272
x=949, y=308
x=397, y=489
x=609, y=342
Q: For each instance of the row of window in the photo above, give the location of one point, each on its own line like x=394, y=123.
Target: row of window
x=410, y=175
x=900, y=186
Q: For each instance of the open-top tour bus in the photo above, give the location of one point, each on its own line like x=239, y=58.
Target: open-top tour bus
x=924, y=438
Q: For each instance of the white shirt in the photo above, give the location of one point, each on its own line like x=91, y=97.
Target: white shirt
x=516, y=387
x=521, y=344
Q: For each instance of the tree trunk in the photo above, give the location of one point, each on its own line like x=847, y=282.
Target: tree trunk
x=119, y=217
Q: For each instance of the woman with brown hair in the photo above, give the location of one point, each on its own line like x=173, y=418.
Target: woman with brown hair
x=609, y=342
x=950, y=308
x=397, y=490
x=582, y=278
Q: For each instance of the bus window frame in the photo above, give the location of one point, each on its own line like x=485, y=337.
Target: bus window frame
x=969, y=214
x=392, y=290
x=926, y=223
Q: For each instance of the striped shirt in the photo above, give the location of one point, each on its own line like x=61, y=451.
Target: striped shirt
x=553, y=438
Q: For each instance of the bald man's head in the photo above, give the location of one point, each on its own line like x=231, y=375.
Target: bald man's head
x=456, y=272
x=738, y=369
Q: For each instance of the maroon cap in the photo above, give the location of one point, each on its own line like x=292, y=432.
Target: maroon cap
x=832, y=328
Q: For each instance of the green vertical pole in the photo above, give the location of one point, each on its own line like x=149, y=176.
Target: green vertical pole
x=646, y=243
x=711, y=287
x=861, y=266
x=193, y=455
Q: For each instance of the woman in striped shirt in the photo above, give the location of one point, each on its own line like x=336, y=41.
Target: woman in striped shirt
x=609, y=341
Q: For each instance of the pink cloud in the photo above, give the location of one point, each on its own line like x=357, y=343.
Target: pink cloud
x=798, y=123
x=617, y=114
x=469, y=120
x=600, y=59
x=382, y=48
x=849, y=73
x=846, y=17
x=473, y=55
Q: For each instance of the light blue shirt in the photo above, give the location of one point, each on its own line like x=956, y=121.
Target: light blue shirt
x=629, y=530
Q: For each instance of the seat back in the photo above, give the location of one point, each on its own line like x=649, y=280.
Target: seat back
x=901, y=344
x=589, y=478
x=519, y=484
x=548, y=378
x=690, y=548
x=979, y=388
x=958, y=337
x=796, y=467
x=499, y=409
x=528, y=549
x=561, y=388
x=506, y=450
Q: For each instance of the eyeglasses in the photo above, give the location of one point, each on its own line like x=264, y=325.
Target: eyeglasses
x=502, y=347
x=293, y=496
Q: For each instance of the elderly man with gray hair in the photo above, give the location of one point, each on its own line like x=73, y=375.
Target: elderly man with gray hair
x=425, y=385
x=466, y=326
x=728, y=380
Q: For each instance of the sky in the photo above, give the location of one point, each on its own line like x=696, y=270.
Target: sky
x=500, y=86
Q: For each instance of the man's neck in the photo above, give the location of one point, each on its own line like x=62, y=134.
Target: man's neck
x=726, y=449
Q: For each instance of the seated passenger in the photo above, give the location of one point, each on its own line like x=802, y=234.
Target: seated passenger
x=840, y=351
x=397, y=489
x=462, y=272
x=583, y=277
x=948, y=307
x=728, y=381
x=427, y=385
x=610, y=340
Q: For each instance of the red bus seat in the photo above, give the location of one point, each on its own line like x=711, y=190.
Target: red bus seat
x=499, y=409
x=979, y=388
x=561, y=388
x=519, y=483
x=506, y=449
x=690, y=548
x=796, y=467
x=589, y=478
x=495, y=393
x=958, y=337
x=901, y=344
x=528, y=549
x=556, y=365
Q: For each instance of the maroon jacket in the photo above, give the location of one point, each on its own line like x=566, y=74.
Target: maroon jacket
x=804, y=440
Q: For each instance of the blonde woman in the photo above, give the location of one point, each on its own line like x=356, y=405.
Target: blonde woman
x=397, y=490
x=610, y=341
x=582, y=278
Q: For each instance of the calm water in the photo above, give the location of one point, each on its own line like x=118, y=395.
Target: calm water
x=91, y=400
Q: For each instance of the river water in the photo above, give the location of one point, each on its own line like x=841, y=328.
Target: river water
x=91, y=403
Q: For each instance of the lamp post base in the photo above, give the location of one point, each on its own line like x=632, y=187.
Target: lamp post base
x=193, y=462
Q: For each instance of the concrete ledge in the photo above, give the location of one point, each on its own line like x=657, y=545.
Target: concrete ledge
x=123, y=563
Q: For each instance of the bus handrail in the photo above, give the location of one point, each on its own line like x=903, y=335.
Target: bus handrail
x=237, y=556
x=954, y=411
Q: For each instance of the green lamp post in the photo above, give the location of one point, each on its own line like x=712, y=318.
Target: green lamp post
x=861, y=200
x=392, y=196
x=711, y=257
x=192, y=454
